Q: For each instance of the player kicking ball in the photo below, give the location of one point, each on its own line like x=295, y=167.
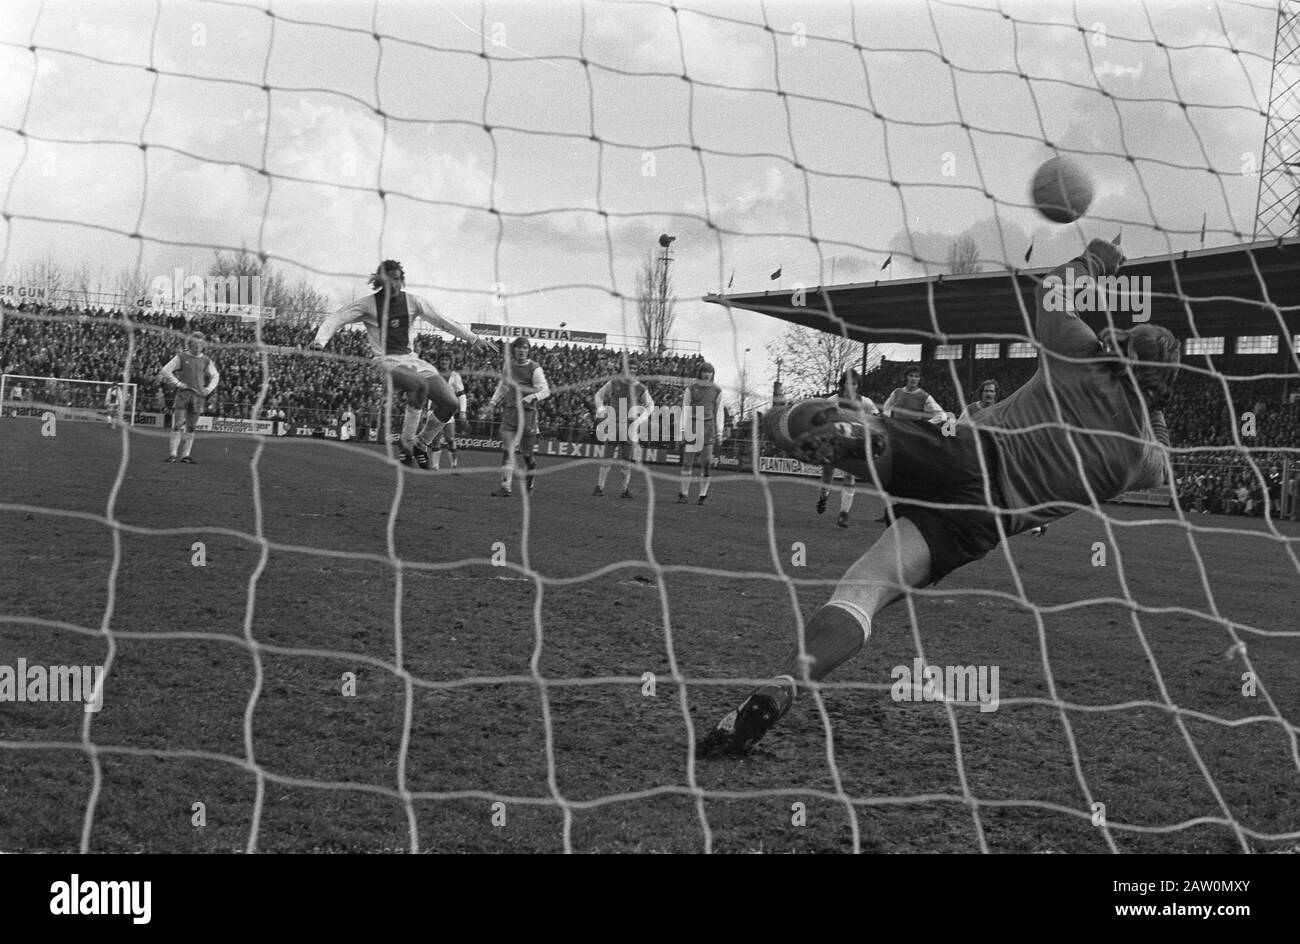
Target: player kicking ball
x=390, y=316
x=522, y=386
x=702, y=408
x=850, y=401
x=194, y=376
x=1086, y=427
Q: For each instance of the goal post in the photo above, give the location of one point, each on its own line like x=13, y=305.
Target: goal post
x=88, y=401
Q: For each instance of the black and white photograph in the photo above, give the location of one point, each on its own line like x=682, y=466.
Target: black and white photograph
x=651, y=426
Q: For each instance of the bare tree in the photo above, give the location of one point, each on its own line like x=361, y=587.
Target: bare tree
x=744, y=398
x=812, y=361
x=305, y=301
x=289, y=301
x=132, y=286
x=656, y=305
x=963, y=256
x=48, y=273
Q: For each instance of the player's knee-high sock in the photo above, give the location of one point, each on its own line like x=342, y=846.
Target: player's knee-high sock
x=832, y=637
x=437, y=458
x=704, y=482
x=410, y=423
x=602, y=476
x=187, y=443
x=684, y=482
x=175, y=442
x=531, y=463
x=627, y=476
x=507, y=471
x=846, y=500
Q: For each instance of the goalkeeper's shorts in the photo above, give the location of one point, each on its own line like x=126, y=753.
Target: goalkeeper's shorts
x=947, y=471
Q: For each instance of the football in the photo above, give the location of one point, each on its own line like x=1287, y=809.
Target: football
x=1061, y=190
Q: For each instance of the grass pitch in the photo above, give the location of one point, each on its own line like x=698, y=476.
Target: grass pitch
x=500, y=650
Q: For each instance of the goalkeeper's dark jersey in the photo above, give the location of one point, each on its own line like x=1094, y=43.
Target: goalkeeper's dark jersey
x=1077, y=431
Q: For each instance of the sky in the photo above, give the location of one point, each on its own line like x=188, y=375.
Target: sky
x=521, y=159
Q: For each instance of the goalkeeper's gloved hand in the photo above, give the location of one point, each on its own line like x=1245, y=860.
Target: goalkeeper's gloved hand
x=1104, y=258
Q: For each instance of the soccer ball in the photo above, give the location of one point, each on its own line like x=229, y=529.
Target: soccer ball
x=1061, y=190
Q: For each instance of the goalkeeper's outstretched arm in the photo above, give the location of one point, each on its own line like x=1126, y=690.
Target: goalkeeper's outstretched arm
x=1059, y=328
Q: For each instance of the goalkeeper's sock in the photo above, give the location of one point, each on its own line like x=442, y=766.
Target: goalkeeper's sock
x=507, y=474
x=684, y=479
x=187, y=443
x=174, y=443
x=846, y=500
x=437, y=458
x=410, y=423
x=833, y=636
x=704, y=485
x=602, y=476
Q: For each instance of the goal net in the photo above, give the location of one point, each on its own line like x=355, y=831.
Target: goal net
x=296, y=644
x=67, y=398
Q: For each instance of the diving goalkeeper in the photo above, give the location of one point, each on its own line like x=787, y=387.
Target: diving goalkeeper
x=1086, y=427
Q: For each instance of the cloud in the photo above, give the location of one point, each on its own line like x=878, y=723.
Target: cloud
x=656, y=40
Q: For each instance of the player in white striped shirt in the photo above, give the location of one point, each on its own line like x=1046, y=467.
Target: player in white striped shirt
x=390, y=316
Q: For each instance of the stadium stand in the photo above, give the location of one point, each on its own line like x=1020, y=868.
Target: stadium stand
x=93, y=345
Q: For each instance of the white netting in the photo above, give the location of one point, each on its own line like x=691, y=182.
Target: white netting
x=500, y=652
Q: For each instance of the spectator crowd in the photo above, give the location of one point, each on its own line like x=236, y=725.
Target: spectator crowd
x=308, y=388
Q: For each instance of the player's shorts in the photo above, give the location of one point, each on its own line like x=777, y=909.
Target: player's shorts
x=510, y=420
x=525, y=440
x=413, y=362
x=628, y=450
x=189, y=403
x=932, y=467
x=698, y=451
